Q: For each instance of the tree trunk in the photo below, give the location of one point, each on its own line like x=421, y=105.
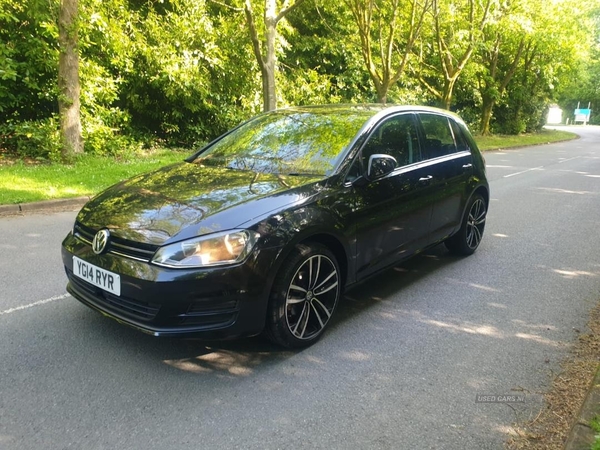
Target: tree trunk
x=448, y=91
x=486, y=115
x=382, y=91
x=269, y=92
x=68, y=80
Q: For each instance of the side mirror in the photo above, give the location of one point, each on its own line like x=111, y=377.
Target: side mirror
x=380, y=165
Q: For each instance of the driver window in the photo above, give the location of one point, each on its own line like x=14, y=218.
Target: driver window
x=397, y=137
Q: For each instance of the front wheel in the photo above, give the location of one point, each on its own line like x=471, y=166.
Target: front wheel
x=304, y=296
x=468, y=238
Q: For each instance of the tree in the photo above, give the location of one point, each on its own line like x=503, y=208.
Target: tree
x=456, y=31
x=388, y=31
x=264, y=50
x=504, y=41
x=322, y=62
x=583, y=86
x=68, y=79
x=555, y=49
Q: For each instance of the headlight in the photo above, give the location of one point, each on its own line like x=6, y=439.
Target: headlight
x=217, y=249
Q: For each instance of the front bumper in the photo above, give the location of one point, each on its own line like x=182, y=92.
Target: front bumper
x=213, y=303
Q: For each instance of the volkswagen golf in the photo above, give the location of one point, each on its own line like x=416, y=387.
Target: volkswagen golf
x=264, y=228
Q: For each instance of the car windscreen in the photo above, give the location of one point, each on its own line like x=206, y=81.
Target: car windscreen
x=287, y=142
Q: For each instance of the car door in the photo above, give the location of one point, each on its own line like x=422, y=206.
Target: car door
x=392, y=213
x=450, y=165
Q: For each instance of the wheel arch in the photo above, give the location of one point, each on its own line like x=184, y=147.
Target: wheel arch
x=333, y=243
x=479, y=190
x=484, y=192
x=336, y=247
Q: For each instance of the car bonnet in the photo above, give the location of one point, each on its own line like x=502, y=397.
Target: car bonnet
x=186, y=200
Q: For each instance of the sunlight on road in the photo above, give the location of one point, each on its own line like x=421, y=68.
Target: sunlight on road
x=225, y=362
x=575, y=273
x=566, y=191
x=459, y=326
x=233, y=363
x=536, y=338
x=485, y=330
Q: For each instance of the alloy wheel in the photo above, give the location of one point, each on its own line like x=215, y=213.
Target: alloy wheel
x=312, y=296
x=476, y=223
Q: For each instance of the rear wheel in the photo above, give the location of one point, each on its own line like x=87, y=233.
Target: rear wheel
x=468, y=238
x=304, y=296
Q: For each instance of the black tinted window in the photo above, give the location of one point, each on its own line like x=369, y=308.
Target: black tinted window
x=461, y=143
x=396, y=137
x=439, y=140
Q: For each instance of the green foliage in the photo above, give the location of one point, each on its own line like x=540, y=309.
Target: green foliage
x=190, y=81
x=583, y=87
x=38, y=139
x=321, y=63
x=182, y=72
x=28, y=58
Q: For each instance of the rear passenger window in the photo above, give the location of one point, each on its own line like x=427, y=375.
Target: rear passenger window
x=459, y=138
x=439, y=139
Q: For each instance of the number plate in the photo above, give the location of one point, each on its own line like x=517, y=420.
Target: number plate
x=104, y=279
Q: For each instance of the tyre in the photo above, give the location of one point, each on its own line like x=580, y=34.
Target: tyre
x=305, y=294
x=468, y=238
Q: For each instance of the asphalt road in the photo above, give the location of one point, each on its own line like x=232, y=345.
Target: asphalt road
x=401, y=368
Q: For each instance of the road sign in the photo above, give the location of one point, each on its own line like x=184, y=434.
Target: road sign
x=582, y=115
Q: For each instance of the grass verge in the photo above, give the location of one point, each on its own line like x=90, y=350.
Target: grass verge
x=595, y=424
x=499, y=141
x=23, y=181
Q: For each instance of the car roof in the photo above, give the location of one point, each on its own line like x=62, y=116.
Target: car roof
x=373, y=111
x=372, y=108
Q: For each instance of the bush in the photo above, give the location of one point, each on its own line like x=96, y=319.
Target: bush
x=107, y=133
x=39, y=139
x=103, y=140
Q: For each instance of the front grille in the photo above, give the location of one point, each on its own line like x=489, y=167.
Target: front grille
x=84, y=233
x=117, y=245
x=131, y=249
x=128, y=306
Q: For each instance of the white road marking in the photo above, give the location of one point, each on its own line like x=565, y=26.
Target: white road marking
x=569, y=159
x=31, y=305
x=523, y=171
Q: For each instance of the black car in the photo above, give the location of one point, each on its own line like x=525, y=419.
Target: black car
x=266, y=226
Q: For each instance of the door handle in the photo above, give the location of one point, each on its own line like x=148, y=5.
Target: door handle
x=467, y=166
x=426, y=179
